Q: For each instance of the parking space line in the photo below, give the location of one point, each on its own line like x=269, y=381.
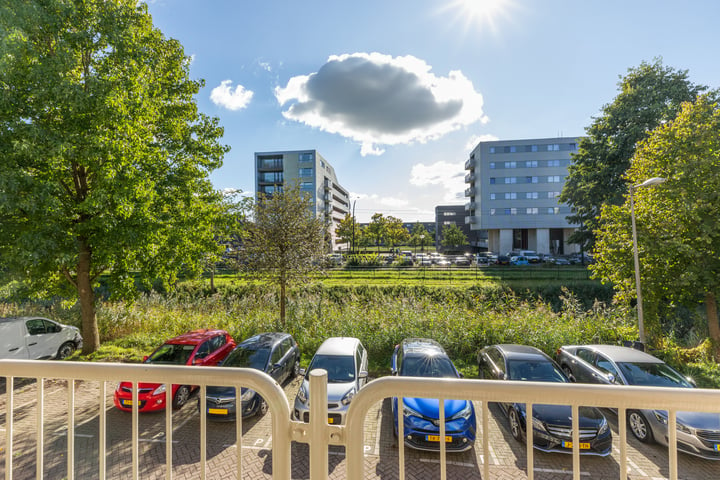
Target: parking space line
x=553, y=470
x=153, y=440
x=448, y=462
x=631, y=463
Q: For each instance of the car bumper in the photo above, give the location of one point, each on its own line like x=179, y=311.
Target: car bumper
x=598, y=446
x=422, y=434
x=701, y=443
x=146, y=403
x=226, y=411
x=336, y=412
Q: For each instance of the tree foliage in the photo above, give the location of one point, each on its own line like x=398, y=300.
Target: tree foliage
x=105, y=158
x=347, y=230
x=420, y=236
x=376, y=230
x=649, y=95
x=453, y=236
x=285, y=242
x=395, y=232
x=678, y=233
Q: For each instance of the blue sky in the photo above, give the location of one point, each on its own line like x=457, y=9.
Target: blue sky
x=395, y=93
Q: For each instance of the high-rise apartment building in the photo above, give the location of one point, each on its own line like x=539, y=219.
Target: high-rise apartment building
x=513, y=190
x=313, y=174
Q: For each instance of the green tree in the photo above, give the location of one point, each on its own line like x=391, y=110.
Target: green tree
x=677, y=229
x=453, y=236
x=650, y=95
x=419, y=236
x=285, y=241
x=395, y=232
x=105, y=157
x=347, y=230
x=376, y=230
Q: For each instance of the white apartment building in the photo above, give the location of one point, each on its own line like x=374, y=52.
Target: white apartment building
x=513, y=193
x=314, y=174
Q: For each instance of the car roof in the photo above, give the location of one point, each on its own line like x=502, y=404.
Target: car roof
x=338, y=346
x=521, y=352
x=622, y=354
x=195, y=337
x=421, y=346
x=264, y=340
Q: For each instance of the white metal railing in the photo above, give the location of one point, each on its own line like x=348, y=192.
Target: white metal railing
x=318, y=434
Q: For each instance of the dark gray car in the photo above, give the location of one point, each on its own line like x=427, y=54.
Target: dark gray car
x=698, y=433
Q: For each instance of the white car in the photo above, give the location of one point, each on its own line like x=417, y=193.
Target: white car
x=36, y=338
x=345, y=360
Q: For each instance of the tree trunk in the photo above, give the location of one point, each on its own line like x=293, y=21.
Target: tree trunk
x=282, y=304
x=90, y=333
x=712, y=319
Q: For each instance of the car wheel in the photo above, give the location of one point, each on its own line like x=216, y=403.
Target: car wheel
x=639, y=426
x=515, y=427
x=296, y=368
x=181, y=396
x=263, y=408
x=65, y=350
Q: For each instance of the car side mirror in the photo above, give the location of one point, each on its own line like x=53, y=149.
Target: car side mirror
x=363, y=374
x=461, y=375
x=276, y=366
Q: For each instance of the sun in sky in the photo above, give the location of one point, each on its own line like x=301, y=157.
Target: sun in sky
x=484, y=15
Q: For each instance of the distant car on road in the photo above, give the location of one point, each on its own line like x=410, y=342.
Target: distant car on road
x=462, y=261
x=198, y=347
x=503, y=260
x=698, y=433
x=276, y=354
x=421, y=357
x=551, y=424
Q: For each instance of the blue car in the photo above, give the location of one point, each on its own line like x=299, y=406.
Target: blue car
x=419, y=357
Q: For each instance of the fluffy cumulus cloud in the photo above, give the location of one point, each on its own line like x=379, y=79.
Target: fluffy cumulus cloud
x=449, y=176
x=378, y=100
x=233, y=99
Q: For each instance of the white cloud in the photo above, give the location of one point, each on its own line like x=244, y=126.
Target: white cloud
x=377, y=99
x=449, y=176
x=224, y=96
x=475, y=139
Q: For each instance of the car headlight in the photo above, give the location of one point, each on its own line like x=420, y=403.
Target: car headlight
x=538, y=424
x=603, y=426
x=302, y=395
x=662, y=418
x=348, y=396
x=247, y=395
x=464, y=413
x=409, y=412
x=159, y=390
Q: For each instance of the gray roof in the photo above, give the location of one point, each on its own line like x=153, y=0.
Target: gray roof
x=623, y=354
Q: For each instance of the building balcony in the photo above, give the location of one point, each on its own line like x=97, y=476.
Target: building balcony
x=470, y=177
x=470, y=192
x=470, y=206
x=470, y=164
x=471, y=220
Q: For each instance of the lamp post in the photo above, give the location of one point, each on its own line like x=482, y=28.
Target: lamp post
x=353, y=230
x=422, y=242
x=641, y=320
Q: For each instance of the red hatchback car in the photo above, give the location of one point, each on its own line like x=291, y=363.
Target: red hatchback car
x=198, y=347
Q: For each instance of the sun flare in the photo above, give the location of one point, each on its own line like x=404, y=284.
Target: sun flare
x=480, y=14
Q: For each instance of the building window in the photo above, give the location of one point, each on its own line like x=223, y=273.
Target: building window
x=531, y=211
x=553, y=179
x=273, y=177
x=507, y=211
x=553, y=210
x=448, y=214
x=492, y=211
x=513, y=211
x=531, y=179
x=492, y=180
x=306, y=186
x=531, y=195
x=510, y=179
x=448, y=222
x=510, y=164
x=510, y=196
x=306, y=172
x=553, y=147
x=492, y=150
x=553, y=163
x=572, y=146
x=492, y=165
x=531, y=164
x=492, y=196
x=553, y=194
x=306, y=157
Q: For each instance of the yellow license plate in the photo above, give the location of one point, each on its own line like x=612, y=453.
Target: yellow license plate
x=218, y=411
x=436, y=438
x=127, y=403
x=583, y=446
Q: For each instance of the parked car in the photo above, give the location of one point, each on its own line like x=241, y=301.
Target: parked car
x=462, y=261
x=345, y=360
x=482, y=259
x=552, y=424
x=503, y=260
x=443, y=261
x=420, y=357
x=560, y=261
x=197, y=347
x=276, y=354
x=518, y=260
x=531, y=255
x=697, y=433
x=37, y=338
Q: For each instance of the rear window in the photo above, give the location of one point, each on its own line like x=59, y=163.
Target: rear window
x=243, y=357
x=172, y=354
x=534, y=371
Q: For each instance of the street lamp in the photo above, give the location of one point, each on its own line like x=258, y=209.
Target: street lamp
x=353, y=227
x=641, y=321
x=422, y=242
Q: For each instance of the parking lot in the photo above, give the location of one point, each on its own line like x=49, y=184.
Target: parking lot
x=507, y=457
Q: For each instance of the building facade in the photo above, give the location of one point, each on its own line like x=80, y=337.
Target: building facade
x=513, y=191
x=446, y=215
x=313, y=174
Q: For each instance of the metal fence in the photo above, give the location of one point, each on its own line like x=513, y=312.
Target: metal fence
x=318, y=434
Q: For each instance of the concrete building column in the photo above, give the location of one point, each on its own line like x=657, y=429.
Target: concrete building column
x=506, y=241
x=542, y=240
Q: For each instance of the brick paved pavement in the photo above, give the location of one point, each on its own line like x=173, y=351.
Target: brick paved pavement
x=507, y=457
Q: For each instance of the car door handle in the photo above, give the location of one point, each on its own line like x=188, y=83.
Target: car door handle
x=14, y=349
x=31, y=344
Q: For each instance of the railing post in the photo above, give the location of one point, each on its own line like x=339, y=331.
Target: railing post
x=318, y=424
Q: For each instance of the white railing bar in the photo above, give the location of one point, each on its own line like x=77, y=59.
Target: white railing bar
x=238, y=428
x=401, y=437
x=672, y=443
x=443, y=457
x=317, y=396
x=71, y=430
x=10, y=398
x=135, y=431
x=203, y=431
x=102, y=441
x=622, y=428
x=529, y=434
x=575, y=425
x=486, y=439
x=40, y=465
x=168, y=433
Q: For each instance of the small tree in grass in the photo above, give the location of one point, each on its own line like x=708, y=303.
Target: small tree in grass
x=453, y=237
x=285, y=241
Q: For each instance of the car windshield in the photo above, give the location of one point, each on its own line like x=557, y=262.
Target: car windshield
x=436, y=366
x=534, y=371
x=340, y=368
x=652, y=374
x=171, y=353
x=248, y=357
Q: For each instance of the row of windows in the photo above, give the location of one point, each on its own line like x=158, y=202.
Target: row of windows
x=305, y=172
x=525, y=195
x=528, y=179
x=273, y=177
x=549, y=147
x=306, y=157
x=529, y=164
x=526, y=211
